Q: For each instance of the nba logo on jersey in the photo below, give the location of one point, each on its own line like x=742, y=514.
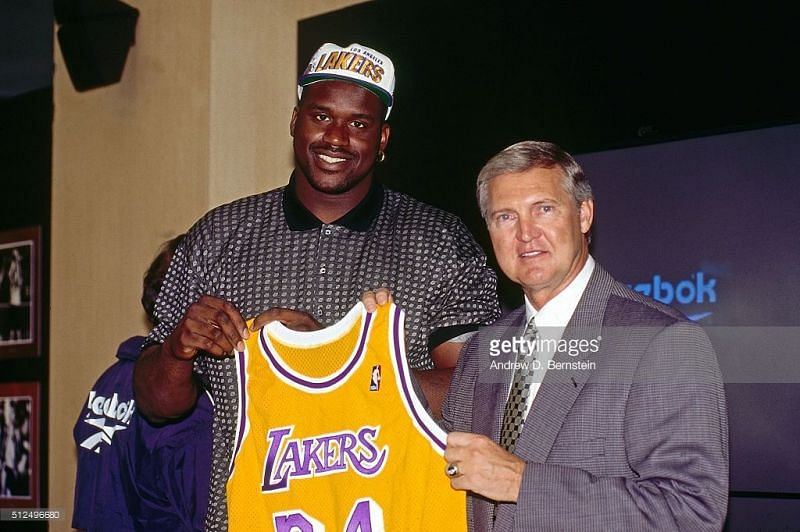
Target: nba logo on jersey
x=317, y=450
x=375, y=379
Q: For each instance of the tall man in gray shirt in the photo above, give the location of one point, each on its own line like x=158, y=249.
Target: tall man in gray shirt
x=313, y=247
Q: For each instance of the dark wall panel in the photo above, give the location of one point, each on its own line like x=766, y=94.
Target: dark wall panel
x=25, y=200
x=26, y=115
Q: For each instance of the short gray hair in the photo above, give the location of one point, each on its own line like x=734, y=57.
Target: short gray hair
x=529, y=154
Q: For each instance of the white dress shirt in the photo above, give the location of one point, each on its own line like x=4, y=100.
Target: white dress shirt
x=552, y=319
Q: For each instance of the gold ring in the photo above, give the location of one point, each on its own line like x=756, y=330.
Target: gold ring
x=451, y=470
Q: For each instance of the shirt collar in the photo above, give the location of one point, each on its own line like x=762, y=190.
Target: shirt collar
x=558, y=311
x=360, y=218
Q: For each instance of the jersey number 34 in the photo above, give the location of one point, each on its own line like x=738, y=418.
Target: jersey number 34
x=365, y=516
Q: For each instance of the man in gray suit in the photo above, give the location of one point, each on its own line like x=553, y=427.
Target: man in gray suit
x=591, y=407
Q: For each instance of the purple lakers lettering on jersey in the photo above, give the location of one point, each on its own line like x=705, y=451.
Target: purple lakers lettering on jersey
x=332, y=437
x=319, y=455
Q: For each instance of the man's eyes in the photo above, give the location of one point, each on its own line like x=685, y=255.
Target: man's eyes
x=323, y=117
x=503, y=218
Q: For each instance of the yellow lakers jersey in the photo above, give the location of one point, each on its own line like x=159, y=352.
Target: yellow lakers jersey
x=331, y=435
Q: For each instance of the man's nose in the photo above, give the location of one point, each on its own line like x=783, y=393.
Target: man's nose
x=528, y=229
x=336, y=134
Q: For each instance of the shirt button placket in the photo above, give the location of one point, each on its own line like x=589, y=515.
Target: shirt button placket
x=324, y=245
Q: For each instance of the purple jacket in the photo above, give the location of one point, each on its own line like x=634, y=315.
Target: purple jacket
x=132, y=475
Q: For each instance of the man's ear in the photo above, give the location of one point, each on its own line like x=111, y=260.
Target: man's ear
x=586, y=215
x=386, y=130
x=292, y=122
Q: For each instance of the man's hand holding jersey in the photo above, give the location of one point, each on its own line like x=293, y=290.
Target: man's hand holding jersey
x=164, y=380
x=216, y=327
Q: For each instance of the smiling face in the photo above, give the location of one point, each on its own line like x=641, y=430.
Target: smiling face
x=538, y=232
x=338, y=130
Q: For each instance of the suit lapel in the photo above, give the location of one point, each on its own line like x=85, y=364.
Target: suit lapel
x=492, y=385
x=561, y=387
x=491, y=391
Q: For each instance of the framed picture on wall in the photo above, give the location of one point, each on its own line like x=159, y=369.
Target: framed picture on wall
x=20, y=284
x=19, y=443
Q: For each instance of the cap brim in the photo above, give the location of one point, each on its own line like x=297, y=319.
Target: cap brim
x=384, y=96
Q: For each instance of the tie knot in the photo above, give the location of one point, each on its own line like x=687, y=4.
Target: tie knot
x=530, y=329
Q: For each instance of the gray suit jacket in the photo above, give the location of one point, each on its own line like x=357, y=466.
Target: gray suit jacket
x=638, y=441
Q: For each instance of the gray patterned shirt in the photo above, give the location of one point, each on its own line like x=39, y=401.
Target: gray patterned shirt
x=267, y=250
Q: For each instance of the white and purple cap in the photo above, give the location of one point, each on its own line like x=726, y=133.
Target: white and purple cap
x=355, y=63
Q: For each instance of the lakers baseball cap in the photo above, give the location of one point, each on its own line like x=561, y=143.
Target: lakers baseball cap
x=355, y=63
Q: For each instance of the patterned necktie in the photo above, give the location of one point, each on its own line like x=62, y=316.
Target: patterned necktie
x=516, y=406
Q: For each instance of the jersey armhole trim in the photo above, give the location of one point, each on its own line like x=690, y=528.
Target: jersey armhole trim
x=422, y=421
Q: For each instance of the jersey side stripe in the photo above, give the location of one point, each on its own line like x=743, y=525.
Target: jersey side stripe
x=242, y=423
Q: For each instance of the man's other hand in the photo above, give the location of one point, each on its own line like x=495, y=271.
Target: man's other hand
x=293, y=319
x=372, y=299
